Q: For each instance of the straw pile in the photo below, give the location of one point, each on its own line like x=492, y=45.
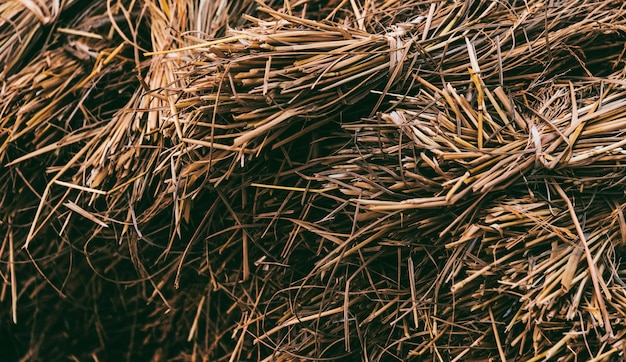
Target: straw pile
x=293, y=180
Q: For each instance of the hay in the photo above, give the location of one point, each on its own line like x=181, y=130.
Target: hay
x=297, y=180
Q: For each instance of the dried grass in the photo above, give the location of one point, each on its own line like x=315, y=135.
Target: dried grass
x=295, y=180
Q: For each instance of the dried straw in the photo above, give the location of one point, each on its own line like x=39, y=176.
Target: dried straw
x=299, y=180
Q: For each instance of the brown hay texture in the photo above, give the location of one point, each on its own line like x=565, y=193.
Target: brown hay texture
x=376, y=180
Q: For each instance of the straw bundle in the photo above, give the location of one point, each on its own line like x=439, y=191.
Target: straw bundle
x=300, y=180
x=510, y=238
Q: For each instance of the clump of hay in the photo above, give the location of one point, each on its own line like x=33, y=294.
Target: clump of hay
x=304, y=180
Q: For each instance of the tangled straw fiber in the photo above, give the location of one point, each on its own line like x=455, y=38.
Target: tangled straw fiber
x=313, y=180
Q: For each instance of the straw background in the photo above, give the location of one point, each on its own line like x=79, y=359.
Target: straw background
x=377, y=180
